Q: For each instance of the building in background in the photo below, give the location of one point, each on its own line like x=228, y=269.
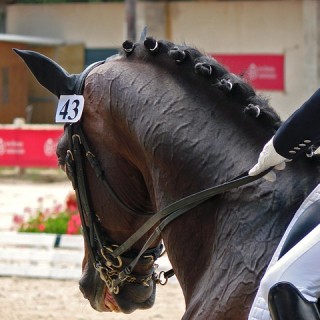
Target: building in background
x=21, y=96
x=275, y=43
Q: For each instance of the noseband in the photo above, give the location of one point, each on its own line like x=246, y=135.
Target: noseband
x=109, y=258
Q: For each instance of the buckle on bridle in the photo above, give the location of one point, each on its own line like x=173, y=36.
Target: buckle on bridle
x=109, y=277
x=163, y=277
x=114, y=277
x=109, y=260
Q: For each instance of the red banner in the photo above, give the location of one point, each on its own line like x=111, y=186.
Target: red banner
x=28, y=147
x=263, y=71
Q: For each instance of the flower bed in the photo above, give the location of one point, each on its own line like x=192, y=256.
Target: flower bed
x=61, y=219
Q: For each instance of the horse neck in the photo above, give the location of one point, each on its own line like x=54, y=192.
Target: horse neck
x=184, y=152
x=189, y=151
x=175, y=125
x=180, y=143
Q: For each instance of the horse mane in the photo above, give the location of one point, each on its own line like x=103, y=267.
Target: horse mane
x=235, y=87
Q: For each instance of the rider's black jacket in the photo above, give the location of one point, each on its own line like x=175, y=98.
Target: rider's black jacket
x=301, y=130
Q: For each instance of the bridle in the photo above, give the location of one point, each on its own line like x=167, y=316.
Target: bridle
x=109, y=258
x=100, y=250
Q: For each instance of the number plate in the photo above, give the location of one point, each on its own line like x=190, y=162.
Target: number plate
x=69, y=108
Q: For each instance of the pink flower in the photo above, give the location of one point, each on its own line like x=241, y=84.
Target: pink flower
x=58, y=208
x=27, y=210
x=47, y=212
x=41, y=227
x=18, y=219
x=71, y=202
x=74, y=225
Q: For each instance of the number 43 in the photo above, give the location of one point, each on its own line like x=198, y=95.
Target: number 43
x=69, y=108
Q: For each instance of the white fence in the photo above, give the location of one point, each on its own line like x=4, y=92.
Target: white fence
x=41, y=255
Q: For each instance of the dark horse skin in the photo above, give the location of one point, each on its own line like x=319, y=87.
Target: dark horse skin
x=164, y=126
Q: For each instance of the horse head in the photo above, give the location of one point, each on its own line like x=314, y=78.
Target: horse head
x=162, y=122
x=110, y=217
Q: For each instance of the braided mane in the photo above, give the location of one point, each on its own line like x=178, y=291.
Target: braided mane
x=215, y=75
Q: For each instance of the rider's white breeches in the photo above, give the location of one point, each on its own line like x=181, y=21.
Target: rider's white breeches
x=299, y=266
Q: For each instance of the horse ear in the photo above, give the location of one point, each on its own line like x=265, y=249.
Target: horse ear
x=49, y=74
x=143, y=34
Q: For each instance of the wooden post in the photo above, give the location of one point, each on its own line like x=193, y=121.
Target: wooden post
x=131, y=19
x=311, y=45
x=2, y=18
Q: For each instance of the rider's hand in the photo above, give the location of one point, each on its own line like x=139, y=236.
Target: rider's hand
x=269, y=158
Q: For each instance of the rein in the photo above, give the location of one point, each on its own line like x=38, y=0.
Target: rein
x=108, y=258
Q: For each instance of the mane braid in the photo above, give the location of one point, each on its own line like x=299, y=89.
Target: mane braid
x=234, y=87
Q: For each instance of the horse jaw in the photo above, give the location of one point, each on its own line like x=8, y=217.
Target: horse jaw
x=129, y=299
x=48, y=73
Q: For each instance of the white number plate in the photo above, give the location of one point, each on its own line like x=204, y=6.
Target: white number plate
x=69, y=108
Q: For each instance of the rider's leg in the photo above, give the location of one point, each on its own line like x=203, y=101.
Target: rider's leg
x=299, y=266
x=306, y=222
x=287, y=303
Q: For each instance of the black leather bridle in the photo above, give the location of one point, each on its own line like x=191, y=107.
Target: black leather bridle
x=109, y=266
x=109, y=258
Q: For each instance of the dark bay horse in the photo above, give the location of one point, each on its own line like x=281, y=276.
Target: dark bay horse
x=162, y=122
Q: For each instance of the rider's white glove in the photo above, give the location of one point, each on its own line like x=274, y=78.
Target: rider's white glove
x=269, y=158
